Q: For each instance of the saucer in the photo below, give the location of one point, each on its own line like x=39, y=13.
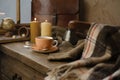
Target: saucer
x=52, y=49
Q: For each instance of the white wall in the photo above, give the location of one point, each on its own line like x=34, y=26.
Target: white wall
x=9, y=7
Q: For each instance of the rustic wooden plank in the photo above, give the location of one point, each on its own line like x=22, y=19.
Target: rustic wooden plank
x=4, y=39
x=35, y=60
x=11, y=66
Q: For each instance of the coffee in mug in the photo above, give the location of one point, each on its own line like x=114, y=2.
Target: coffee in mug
x=45, y=43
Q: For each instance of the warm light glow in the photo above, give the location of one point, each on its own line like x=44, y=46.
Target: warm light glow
x=46, y=20
x=35, y=19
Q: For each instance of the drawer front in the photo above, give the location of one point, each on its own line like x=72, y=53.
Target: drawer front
x=15, y=69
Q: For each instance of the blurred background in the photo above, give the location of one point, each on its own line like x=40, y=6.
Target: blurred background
x=9, y=8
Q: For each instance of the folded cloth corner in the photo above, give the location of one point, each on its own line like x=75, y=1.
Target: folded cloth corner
x=67, y=51
x=101, y=45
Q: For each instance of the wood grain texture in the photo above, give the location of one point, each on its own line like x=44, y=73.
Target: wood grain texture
x=4, y=39
x=11, y=67
x=35, y=60
x=18, y=11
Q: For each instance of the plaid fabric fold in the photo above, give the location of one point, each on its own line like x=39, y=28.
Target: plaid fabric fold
x=95, y=41
x=97, y=44
x=92, y=39
x=114, y=76
x=107, y=41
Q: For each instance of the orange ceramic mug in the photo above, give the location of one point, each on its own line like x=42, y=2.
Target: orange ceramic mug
x=45, y=43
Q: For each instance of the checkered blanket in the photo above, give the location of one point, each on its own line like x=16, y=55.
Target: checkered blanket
x=97, y=49
x=94, y=40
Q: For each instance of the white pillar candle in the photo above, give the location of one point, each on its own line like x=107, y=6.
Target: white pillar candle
x=46, y=28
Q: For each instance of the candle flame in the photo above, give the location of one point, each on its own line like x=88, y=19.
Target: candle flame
x=35, y=19
x=46, y=20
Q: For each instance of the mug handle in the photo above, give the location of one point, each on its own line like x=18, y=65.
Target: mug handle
x=56, y=43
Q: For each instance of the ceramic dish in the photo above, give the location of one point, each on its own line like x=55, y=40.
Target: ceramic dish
x=53, y=49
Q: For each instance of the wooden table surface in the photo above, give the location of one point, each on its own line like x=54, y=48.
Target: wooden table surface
x=37, y=61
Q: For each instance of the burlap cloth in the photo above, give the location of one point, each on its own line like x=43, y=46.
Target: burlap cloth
x=101, y=45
